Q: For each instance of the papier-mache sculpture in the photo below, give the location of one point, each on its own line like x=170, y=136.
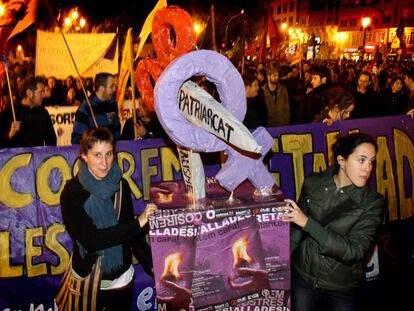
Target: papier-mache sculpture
x=195, y=120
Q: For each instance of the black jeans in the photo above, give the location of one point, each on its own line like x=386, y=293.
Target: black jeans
x=307, y=298
x=119, y=299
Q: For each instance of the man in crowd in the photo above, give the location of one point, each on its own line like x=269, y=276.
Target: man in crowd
x=366, y=100
x=409, y=82
x=313, y=102
x=33, y=126
x=104, y=108
x=276, y=99
x=255, y=116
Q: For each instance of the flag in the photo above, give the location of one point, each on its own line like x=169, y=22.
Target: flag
x=262, y=48
x=124, y=71
x=18, y=16
x=272, y=31
x=146, y=28
x=275, y=37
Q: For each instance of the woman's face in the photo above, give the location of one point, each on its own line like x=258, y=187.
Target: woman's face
x=397, y=86
x=356, y=169
x=99, y=159
x=346, y=113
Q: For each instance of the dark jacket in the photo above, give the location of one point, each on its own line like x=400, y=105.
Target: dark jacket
x=342, y=225
x=81, y=228
x=106, y=114
x=36, y=127
x=366, y=105
x=312, y=103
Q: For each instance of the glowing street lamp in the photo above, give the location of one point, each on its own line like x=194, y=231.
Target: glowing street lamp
x=197, y=28
x=366, y=21
x=74, y=21
x=228, y=23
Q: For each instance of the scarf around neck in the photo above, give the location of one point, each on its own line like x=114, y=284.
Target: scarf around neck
x=100, y=209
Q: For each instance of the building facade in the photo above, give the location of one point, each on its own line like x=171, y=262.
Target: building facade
x=337, y=26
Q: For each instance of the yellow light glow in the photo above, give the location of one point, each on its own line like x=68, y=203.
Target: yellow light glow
x=340, y=36
x=197, y=28
x=82, y=22
x=68, y=21
x=19, y=48
x=75, y=14
x=2, y=9
x=366, y=21
x=284, y=26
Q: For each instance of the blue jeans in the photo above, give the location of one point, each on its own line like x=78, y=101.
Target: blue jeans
x=307, y=298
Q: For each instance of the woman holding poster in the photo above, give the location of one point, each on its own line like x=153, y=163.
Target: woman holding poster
x=334, y=225
x=98, y=214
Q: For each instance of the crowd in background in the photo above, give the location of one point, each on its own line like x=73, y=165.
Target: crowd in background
x=277, y=94
x=328, y=91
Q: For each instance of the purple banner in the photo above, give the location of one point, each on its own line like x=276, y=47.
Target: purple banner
x=35, y=248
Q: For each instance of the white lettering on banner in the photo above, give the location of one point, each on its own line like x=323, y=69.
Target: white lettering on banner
x=63, y=118
x=144, y=297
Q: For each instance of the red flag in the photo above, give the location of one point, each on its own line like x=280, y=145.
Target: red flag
x=262, y=48
x=272, y=31
x=275, y=37
x=18, y=16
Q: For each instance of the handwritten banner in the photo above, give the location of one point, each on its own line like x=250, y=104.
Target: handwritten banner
x=92, y=52
x=35, y=247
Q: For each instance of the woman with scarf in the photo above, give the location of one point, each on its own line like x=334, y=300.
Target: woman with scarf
x=98, y=214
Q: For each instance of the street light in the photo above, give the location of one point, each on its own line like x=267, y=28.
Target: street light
x=366, y=21
x=228, y=23
x=74, y=21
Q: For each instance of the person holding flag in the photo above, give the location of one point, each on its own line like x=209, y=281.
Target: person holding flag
x=27, y=124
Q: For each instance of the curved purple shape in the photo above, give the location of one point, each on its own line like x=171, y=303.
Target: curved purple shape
x=219, y=70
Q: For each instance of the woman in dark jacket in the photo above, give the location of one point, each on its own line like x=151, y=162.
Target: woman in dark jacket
x=334, y=226
x=104, y=228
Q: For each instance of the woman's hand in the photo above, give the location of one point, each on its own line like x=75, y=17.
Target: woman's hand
x=293, y=214
x=149, y=210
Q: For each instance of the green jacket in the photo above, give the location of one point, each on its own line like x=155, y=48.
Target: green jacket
x=328, y=253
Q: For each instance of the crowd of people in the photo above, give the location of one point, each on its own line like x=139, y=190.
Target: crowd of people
x=327, y=91
x=277, y=95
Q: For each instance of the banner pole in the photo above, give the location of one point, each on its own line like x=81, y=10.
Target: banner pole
x=79, y=76
x=131, y=72
x=10, y=91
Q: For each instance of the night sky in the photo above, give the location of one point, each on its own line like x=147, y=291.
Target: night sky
x=137, y=10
